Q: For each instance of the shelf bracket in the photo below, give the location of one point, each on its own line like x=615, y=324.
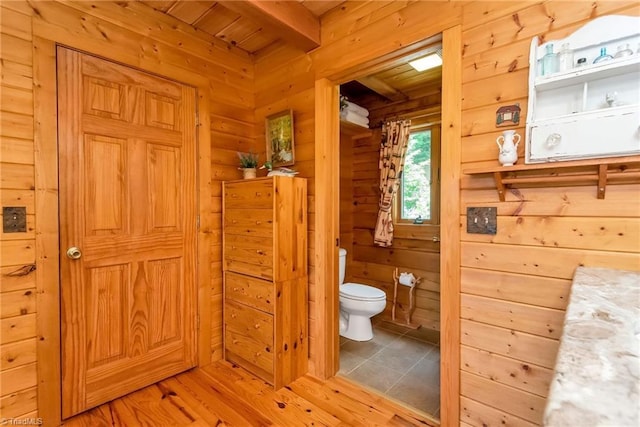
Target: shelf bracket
x=497, y=176
x=602, y=180
x=600, y=171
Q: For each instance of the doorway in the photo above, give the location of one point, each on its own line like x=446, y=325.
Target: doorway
x=128, y=210
x=327, y=225
x=402, y=361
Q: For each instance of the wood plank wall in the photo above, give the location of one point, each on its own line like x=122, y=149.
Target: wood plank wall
x=284, y=80
x=514, y=284
x=137, y=35
x=413, y=247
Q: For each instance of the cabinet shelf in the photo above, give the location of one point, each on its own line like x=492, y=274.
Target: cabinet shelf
x=600, y=172
x=614, y=67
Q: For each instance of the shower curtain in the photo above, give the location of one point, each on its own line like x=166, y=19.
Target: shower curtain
x=393, y=146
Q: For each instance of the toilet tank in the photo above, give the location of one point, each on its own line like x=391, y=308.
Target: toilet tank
x=342, y=264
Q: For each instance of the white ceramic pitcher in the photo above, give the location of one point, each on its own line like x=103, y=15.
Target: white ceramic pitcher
x=509, y=148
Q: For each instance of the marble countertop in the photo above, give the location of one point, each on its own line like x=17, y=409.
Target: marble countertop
x=596, y=380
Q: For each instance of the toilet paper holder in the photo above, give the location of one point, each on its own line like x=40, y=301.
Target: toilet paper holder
x=411, y=281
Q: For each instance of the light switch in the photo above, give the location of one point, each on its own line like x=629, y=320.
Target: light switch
x=14, y=219
x=482, y=220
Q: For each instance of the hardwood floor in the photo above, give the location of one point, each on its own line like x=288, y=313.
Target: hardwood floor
x=225, y=395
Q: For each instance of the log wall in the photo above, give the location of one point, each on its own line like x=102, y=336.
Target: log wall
x=137, y=36
x=413, y=247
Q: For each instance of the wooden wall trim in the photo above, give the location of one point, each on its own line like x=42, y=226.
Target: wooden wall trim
x=450, y=227
x=205, y=223
x=327, y=226
x=47, y=231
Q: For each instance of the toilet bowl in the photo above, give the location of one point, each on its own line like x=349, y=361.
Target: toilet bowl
x=358, y=304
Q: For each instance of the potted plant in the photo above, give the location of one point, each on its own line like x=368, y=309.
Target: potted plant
x=248, y=164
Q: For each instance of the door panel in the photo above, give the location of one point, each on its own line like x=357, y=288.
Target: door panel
x=105, y=197
x=128, y=202
x=106, y=314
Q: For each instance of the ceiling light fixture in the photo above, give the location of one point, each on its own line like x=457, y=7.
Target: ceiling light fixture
x=427, y=62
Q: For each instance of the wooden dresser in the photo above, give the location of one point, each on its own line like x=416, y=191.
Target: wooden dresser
x=265, y=277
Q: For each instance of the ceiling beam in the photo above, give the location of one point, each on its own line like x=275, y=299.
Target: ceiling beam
x=382, y=88
x=290, y=19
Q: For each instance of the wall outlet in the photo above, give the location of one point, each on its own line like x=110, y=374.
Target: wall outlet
x=482, y=220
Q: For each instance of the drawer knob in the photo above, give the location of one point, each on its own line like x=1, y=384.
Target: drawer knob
x=553, y=140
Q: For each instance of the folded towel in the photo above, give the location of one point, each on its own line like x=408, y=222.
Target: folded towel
x=352, y=117
x=357, y=109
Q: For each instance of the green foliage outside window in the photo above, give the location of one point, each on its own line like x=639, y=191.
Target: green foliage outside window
x=415, y=189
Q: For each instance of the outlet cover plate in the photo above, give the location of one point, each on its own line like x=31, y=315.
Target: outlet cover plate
x=482, y=220
x=14, y=219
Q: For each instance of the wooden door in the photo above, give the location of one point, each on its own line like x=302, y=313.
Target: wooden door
x=128, y=203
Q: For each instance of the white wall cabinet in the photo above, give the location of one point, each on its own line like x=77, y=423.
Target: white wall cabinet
x=587, y=111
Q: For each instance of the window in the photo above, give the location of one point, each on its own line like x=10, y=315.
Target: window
x=418, y=197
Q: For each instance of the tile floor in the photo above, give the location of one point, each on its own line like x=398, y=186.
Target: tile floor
x=403, y=364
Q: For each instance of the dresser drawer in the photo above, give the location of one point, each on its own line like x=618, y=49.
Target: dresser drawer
x=252, y=223
x=247, y=320
x=249, y=350
x=249, y=334
x=593, y=135
x=258, y=195
x=256, y=293
x=248, y=255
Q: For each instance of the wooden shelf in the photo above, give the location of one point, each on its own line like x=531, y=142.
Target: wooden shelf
x=612, y=68
x=353, y=130
x=598, y=171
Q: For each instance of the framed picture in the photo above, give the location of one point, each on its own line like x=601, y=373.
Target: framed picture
x=279, y=133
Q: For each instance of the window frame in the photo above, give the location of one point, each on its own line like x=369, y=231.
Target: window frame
x=435, y=181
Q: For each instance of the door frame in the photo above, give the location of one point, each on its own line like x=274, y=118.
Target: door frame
x=47, y=212
x=327, y=161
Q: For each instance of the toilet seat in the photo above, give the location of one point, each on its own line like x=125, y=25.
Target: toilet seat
x=358, y=292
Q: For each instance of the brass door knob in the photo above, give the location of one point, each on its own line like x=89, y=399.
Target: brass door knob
x=74, y=253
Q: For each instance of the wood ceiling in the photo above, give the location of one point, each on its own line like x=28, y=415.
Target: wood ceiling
x=254, y=25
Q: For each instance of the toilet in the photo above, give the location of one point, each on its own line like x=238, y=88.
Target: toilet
x=358, y=304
